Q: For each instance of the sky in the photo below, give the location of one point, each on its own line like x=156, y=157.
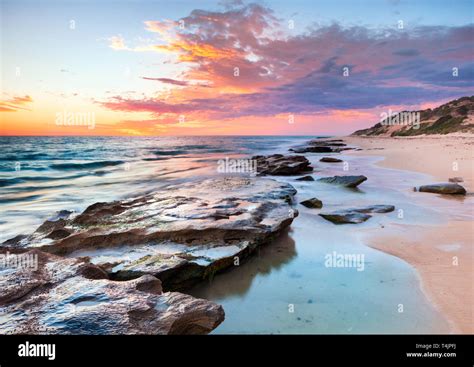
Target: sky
x=130, y=67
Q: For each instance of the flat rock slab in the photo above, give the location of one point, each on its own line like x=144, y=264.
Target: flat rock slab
x=330, y=160
x=182, y=234
x=53, y=295
x=356, y=215
x=281, y=165
x=347, y=181
x=444, y=189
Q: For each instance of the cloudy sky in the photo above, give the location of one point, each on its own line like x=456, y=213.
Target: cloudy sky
x=228, y=67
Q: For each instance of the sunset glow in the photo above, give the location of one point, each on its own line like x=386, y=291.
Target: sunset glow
x=238, y=68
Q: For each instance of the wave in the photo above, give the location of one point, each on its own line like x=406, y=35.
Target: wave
x=11, y=168
x=88, y=165
x=12, y=199
x=4, y=182
x=196, y=146
x=24, y=157
x=189, y=149
x=155, y=159
x=169, y=152
x=15, y=190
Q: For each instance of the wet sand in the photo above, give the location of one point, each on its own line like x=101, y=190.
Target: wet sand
x=442, y=253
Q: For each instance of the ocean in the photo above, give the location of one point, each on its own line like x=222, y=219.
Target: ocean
x=287, y=286
x=42, y=175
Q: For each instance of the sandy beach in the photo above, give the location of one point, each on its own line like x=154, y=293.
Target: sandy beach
x=441, y=156
x=442, y=254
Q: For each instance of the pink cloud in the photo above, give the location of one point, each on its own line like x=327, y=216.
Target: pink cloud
x=255, y=68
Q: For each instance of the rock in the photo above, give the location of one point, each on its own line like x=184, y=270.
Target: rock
x=62, y=214
x=345, y=217
x=347, y=181
x=72, y=296
x=330, y=160
x=312, y=203
x=330, y=142
x=322, y=146
x=305, y=178
x=313, y=149
x=182, y=234
x=456, y=179
x=444, y=188
x=356, y=215
x=338, y=150
x=375, y=209
x=280, y=165
x=15, y=240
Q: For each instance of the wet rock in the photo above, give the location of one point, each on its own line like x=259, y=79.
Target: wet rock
x=72, y=296
x=322, y=146
x=59, y=233
x=375, y=209
x=347, y=181
x=330, y=160
x=444, y=189
x=50, y=226
x=338, y=150
x=62, y=214
x=15, y=241
x=280, y=165
x=356, y=215
x=456, y=179
x=182, y=234
x=328, y=142
x=313, y=203
x=313, y=149
x=345, y=217
x=305, y=178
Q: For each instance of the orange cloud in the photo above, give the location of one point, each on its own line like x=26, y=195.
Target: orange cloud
x=189, y=52
x=14, y=104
